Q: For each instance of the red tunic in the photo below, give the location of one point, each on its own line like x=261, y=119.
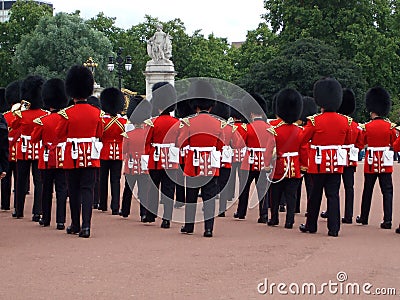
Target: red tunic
x=356, y=136
x=292, y=154
x=81, y=126
x=23, y=125
x=45, y=131
x=134, y=148
x=260, y=144
x=161, y=136
x=327, y=132
x=396, y=144
x=114, y=128
x=201, y=133
x=377, y=134
x=232, y=140
x=11, y=134
x=238, y=153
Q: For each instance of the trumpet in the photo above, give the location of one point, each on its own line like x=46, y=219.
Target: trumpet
x=127, y=95
x=17, y=108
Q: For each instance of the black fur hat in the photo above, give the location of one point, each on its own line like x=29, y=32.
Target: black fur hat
x=53, y=93
x=163, y=97
x=348, y=104
x=289, y=105
x=3, y=103
x=202, y=95
x=93, y=100
x=254, y=103
x=112, y=101
x=79, y=82
x=236, y=109
x=133, y=103
x=141, y=112
x=183, y=109
x=309, y=108
x=328, y=94
x=13, y=92
x=31, y=91
x=221, y=108
x=378, y=101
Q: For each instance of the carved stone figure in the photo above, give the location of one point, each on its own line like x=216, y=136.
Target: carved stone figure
x=159, y=46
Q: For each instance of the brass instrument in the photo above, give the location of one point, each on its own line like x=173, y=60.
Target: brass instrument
x=17, y=108
x=127, y=95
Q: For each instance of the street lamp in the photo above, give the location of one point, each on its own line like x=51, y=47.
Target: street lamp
x=120, y=63
x=91, y=65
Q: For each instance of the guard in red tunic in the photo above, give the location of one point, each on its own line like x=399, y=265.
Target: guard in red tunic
x=112, y=103
x=11, y=97
x=81, y=127
x=257, y=161
x=28, y=152
x=291, y=156
x=44, y=133
x=3, y=137
x=379, y=134
x=396, y=148
x=202, y=134
x=163, y=153
x=326, y=132
x=135, y=158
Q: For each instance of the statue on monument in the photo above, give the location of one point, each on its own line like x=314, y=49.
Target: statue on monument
x=159, y=46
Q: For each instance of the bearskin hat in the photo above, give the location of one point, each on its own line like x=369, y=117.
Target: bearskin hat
x=328, y=94
x=254, y=103
x=53, y=94
x=309, y=108
x=183, y=109
x=236, y=109
x=93, y=100
x=273, y=104
x=13, y=92
x=31, y=91
x=377, y=100
x=112, y=101
x=133, y=103
x=202, y=95
x=289, y=105
x=163, y=97
x=221, y=108
x=3, y=103
x=141, y=112
x=348, y=103
x=79, y=82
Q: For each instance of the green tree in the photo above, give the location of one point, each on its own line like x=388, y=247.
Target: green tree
x=59, y=42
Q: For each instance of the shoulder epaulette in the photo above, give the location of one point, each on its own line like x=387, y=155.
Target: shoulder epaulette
x=398, y=128
x=312, y=119
x=362, y=126
x=149, y=122
x=279, y=124
x=272, y=131
x=102, y=113
x=186, y=121
x=234, y=128
x=46, y=111
x=18, y=113
x=244, y=126
x=223, y=123
x=349, y=120
x=63, y=113
x=38, y=121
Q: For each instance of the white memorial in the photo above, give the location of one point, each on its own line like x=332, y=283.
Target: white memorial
x=160, y=67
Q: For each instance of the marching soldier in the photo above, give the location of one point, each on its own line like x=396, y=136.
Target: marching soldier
x=396, y=148
x=201, y=133
x=327, y=132
x=163, y=154
x=112, y=103
x=135, y=158
x=291, y=156
x=379, y=134
x=54, y=97
x=81, y=127
x=257, y=161
x=28, y=152
x=3, y=147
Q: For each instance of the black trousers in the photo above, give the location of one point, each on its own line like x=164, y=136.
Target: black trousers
x=165, y=179
x=54, y=178
x=80, y=184
x=209, y=190
x=330, y=183
x=180, y=185
x=23, y=167
x=261, y=187
x=231, y=185
x=223, y=188
x=112, y=168
x=348, y=183
x=286, y=188
x=308, y=184
x=96, y=192
x=142, y=181
x=386, y=185
x=6, y=185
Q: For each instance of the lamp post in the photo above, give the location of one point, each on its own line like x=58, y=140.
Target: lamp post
x=91, y=65
x=120, y=64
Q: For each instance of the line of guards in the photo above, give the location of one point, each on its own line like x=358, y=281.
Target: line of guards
x=203, y=149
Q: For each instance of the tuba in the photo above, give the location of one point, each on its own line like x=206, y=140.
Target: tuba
x=128, y=94
x=17, y=108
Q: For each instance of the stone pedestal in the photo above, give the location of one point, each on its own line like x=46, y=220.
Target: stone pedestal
x=157, y=71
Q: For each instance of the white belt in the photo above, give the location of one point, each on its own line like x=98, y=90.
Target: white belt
x=257, y=149
x=329, y=147
x=163, y=145
x=58, y=145
x=378, y=148
x=290, y=154
x=26, y=137
x=202, y=149
x=348, y=146
x=10, y=139
x=82, y=140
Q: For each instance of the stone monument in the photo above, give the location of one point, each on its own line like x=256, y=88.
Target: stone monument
x=160, y=67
